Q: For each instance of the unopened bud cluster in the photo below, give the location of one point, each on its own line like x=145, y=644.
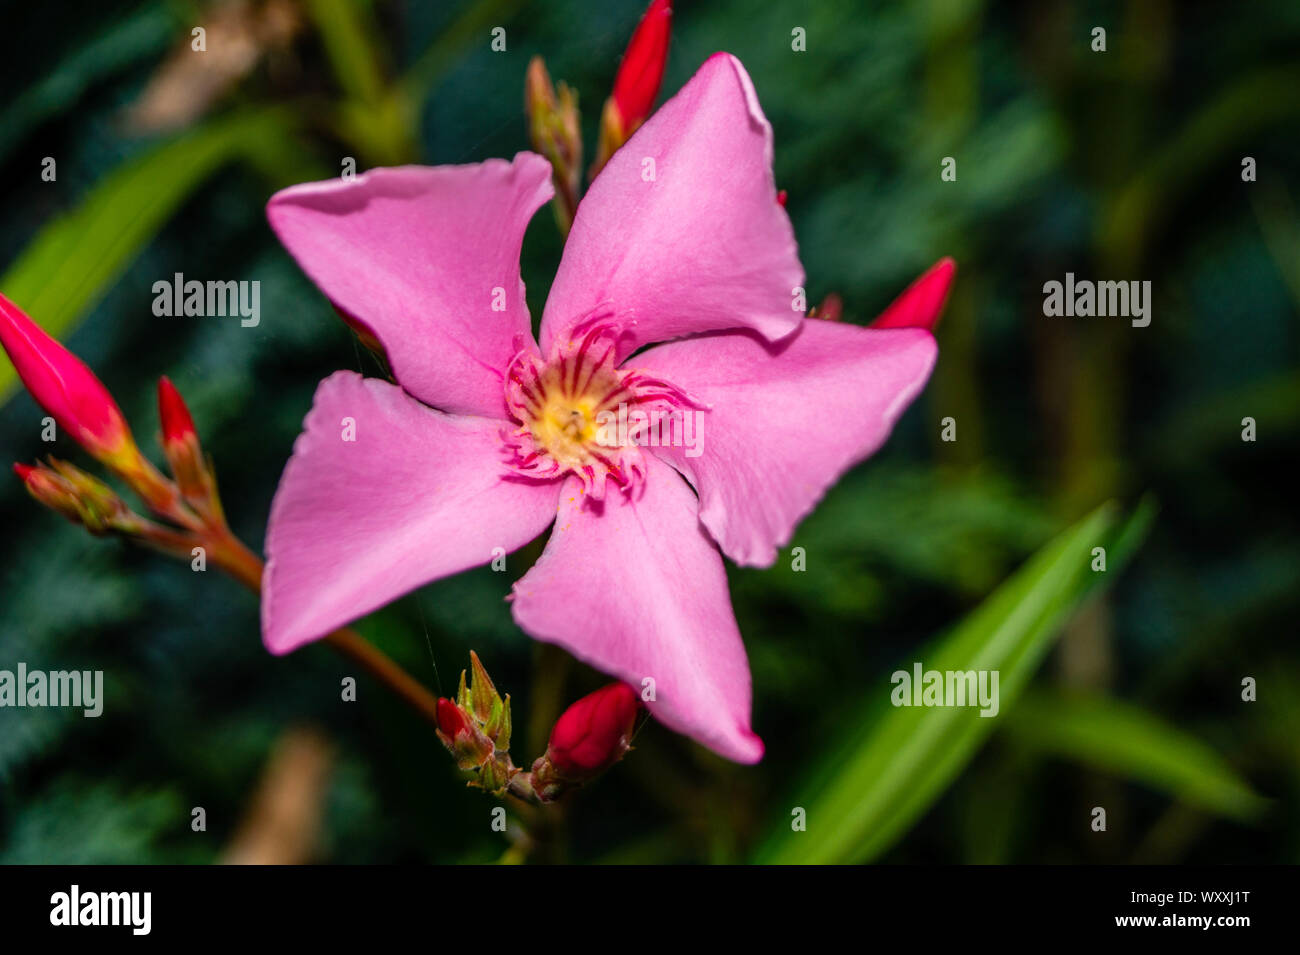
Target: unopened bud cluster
x=476, y=730
x=588, y=738
x=552, y=111
x=85, y=411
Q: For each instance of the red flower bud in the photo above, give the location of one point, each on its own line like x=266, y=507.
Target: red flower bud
x=180, y=444
x=781, y=198
x=594, y=732
x=65, y=387
x=642, y=69
x=450, y=718
x=921, y=303
x=464, y=739
x=177, y=425
x=637, y=83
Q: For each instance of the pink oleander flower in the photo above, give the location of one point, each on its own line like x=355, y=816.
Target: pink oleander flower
x=489, y=437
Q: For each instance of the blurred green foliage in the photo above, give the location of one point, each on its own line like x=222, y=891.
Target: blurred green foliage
x=1123, y=164
x=897, y=759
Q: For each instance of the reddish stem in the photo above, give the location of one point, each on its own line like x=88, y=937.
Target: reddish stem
x=231, y=555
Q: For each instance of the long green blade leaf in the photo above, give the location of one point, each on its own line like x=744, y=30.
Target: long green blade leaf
x=863, y=799
x=1120, y=738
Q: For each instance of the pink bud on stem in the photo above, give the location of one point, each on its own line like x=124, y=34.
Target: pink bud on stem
x=85, y=500
x=588, y=738
x=921, y=303
x=62, y=385
x=637, y=83
x=180, y=443
x=53, y=490
x=80, y=404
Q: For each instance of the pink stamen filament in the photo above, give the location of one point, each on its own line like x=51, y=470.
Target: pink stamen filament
x=559, y=404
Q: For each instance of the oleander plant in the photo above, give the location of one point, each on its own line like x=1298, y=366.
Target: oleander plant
x=684, y=432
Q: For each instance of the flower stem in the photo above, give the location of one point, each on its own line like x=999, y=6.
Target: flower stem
x=231, y=555
x=383, y=668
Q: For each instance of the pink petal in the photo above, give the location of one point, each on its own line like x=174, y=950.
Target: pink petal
x=705, y=245
x=786, y=420
x=922, y=302
x=418, y=495
x=417, y=254
x=638, y=591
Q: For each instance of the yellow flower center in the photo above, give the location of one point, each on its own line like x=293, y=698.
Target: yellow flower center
x=565, y=420
x=567, y=409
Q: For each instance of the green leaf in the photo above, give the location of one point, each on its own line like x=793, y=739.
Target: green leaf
x=351, y=39
x=1124, y=739
x=862, y=799
x=378, y=120
x=71, y=263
